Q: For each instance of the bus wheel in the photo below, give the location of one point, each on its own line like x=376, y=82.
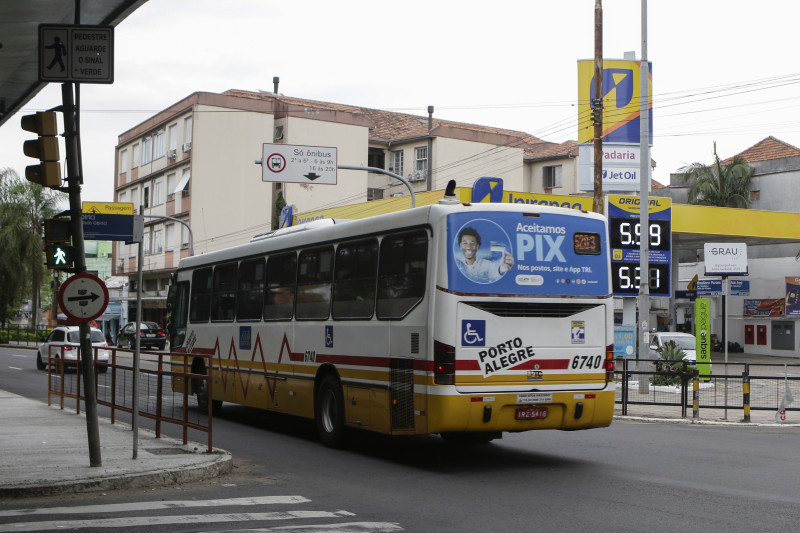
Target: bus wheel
x=481, y=437
x=200, y=388
x=329, y=412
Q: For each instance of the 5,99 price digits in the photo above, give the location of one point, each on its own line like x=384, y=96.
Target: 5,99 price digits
x=627, y=233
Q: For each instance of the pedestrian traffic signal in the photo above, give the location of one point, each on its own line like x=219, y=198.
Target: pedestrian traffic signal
x=48, y=172
x=59, y=255
x=57, y=230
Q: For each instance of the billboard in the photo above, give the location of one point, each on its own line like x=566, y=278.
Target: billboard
x=621, y=105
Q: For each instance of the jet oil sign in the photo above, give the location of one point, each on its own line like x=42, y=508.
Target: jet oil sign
x=509, y=253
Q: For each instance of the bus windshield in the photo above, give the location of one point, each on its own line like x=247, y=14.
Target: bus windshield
x=548, y=254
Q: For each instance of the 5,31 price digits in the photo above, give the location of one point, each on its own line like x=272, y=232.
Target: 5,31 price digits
x=626, y=278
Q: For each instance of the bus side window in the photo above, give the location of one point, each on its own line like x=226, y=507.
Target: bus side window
x=279, y=295
x=314, y=276
x=401, y=276
x=223, y=293
x=354, y=280
x=200, y=306
x=250, y=296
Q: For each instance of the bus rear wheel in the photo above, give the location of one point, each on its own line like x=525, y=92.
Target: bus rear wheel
x=329, y=412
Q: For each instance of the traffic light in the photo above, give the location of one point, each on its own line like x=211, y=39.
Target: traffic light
x=60, y=255
x=48, y=172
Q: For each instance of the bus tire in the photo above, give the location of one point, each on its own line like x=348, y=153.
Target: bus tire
x=200, y=389
x=329, y=412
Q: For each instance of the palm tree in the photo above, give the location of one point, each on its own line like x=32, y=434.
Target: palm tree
x=720, y=185
x=24, y=207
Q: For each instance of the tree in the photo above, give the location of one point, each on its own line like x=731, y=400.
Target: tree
x=23, y=208
x=720, y=185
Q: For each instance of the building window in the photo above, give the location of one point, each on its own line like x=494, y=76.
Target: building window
x=421, y=157
x=173, y=137
x=551, y=176
x=169, y=234
x=376, y=158
x=158, y=191
x=159, y=145
x=397, y=162
x=146, y=242
x=147, y=150
x=146, y=196
x=135, y=198
x=373, y=193
x=135, y=155
x=158, y=240
x=170, y=187
x=755, y=196
x=187, y=129
x=184, y=236
x=123, y=162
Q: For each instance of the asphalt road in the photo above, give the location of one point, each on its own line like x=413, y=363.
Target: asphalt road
x=628, y=477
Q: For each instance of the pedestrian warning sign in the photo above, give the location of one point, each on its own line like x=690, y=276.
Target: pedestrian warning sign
x=76, y=53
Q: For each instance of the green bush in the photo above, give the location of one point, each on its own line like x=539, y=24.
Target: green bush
x=671, y=363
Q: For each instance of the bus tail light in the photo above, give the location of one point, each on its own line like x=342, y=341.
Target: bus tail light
x=444, y=364
x=609, y=365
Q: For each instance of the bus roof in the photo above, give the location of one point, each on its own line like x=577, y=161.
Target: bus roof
x=333, y=230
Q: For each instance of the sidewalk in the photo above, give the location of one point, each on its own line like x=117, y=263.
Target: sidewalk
x=45, y=451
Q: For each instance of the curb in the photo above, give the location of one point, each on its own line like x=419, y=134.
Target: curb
x=700, y=422
x=221, y=464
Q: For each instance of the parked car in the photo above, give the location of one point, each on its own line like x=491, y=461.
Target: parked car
x=151, y=336
x=68, y=337
x=684, y=341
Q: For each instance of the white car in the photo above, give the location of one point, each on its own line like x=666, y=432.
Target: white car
x=69, y=338
x=684, y=341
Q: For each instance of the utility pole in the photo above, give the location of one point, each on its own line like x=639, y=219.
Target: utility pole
x=597, y=108
x=644, y=199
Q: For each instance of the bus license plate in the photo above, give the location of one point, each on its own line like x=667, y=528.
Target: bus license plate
x=531, y=413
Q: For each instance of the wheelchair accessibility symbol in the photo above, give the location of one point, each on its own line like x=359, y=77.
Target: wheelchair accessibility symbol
x=473, y=333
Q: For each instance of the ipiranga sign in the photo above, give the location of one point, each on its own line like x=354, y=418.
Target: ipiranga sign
x=725, y=258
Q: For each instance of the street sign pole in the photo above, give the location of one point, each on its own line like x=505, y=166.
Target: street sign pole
x=74, y=178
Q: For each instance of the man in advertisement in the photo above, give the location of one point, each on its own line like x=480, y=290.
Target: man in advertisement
x=482, y=269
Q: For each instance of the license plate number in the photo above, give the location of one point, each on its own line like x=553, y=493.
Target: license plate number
x=531, y=413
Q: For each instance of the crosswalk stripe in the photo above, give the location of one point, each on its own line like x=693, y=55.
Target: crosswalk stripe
x=151, y=506
x=142, y=521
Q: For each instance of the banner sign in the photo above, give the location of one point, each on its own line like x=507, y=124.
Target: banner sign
x=792, y=296
x=622, y=80
x=624, y=340
x=509, y=253
x=702, y=313
x=768, y=307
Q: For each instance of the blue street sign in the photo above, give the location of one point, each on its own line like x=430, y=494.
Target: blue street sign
x=104, y=227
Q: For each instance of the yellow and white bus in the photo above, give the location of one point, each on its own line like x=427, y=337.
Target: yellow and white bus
x=461, y=319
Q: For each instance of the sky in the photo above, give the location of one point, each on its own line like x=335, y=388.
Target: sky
x=723, y=70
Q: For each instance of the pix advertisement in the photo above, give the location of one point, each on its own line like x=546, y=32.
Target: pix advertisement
x=509, y=253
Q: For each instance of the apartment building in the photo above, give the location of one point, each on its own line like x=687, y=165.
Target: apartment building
x=191, y=169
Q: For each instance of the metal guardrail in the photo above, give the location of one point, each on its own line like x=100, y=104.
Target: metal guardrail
x=23, y=335
x=158, y=400
x=747, y=386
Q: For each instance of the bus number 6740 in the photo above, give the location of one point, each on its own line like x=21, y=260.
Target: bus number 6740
x=586, y=361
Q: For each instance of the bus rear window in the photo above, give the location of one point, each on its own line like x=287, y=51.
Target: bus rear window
x=586, y=243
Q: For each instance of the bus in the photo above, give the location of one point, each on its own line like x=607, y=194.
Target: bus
x=459, y=319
